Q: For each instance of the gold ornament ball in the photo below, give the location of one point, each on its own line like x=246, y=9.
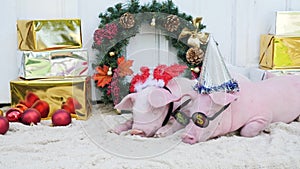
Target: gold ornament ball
x=1, y=113
x=193, y=41
x=118, y=111
x=196, y=69
x=152, y=22
x=109, y=72
x=111, y=54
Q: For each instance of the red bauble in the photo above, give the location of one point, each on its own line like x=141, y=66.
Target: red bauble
x=4, y=125
x=30, y=99
x=61, y=118
x=13, y=114
x=30, y=116
x=43, y=107
x=71, y=105
x=21, y=107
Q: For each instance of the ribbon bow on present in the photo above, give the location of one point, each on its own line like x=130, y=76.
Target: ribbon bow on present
x=196, y=38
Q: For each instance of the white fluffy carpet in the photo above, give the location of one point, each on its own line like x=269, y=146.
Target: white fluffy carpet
x=87, y=144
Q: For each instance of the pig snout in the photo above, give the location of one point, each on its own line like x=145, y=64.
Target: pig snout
x=137, y=132
x=190, y=134
x=189, y=138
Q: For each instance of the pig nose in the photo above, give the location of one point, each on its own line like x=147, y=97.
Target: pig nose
x=190, y=139
x=137, y=132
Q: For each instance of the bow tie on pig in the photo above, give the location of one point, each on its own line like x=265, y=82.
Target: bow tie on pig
x=153, y=98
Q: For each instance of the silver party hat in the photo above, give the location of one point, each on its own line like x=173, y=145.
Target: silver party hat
x=214, y=76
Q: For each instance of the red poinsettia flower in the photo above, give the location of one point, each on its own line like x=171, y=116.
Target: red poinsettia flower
x=101, y=76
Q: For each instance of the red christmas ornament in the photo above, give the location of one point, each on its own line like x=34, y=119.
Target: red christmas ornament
x=30, y=99
x=61, y=118
x=43, y=107
x=21, y=107
x=30, y=116
x=4, y=125
x=71, y=105
x=13, y=114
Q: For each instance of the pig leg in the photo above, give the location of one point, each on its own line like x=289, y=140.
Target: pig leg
x=254, y=127
x=169, y=128
x=123, y=127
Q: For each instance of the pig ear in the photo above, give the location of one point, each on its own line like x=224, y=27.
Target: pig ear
x=222, y=98
x=127, y=102
x=161, y=97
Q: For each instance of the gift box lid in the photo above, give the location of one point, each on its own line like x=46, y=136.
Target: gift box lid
x=39, y=35
x=286, y=23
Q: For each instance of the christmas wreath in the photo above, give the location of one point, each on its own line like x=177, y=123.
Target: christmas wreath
x=121, y=22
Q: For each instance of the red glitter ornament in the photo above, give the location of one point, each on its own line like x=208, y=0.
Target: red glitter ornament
x=31, y=116
x=61, y=118
x=43, y=107
x=13, y=114
x=4, y=125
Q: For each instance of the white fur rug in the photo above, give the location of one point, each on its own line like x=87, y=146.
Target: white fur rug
x=87, y=144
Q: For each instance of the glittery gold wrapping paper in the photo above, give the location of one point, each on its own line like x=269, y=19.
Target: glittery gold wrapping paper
x=279, y=52
x=39, y=35
x=54, y=63
x=55, y=92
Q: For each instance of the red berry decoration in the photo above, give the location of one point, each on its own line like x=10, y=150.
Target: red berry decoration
x=43, y=107
x=30, y=116
x=61, y=118
x=4, y=125
x=13, y=114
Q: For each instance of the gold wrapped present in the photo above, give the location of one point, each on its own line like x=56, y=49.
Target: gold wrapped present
x=38, y=35
x=287, y=23
x=71, y=94
x=279, y=52
x=54, y=63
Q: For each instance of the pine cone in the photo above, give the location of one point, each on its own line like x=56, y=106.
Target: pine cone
x=172, y=23
x=127, y=20
x=195, y=56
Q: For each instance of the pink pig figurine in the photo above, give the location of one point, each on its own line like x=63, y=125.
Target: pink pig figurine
x=153, y=99
x=252, y=109
x=151, y=106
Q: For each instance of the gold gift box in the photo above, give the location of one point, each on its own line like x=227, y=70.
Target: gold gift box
x=279, y=52
x=54, y=63
x=55, y=92
x=38, y=35
x=287, y=23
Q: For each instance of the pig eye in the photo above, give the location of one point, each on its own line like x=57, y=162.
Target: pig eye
x=182, y=118
x=200, y=119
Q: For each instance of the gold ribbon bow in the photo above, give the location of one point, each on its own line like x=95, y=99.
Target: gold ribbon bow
x=196, y=38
